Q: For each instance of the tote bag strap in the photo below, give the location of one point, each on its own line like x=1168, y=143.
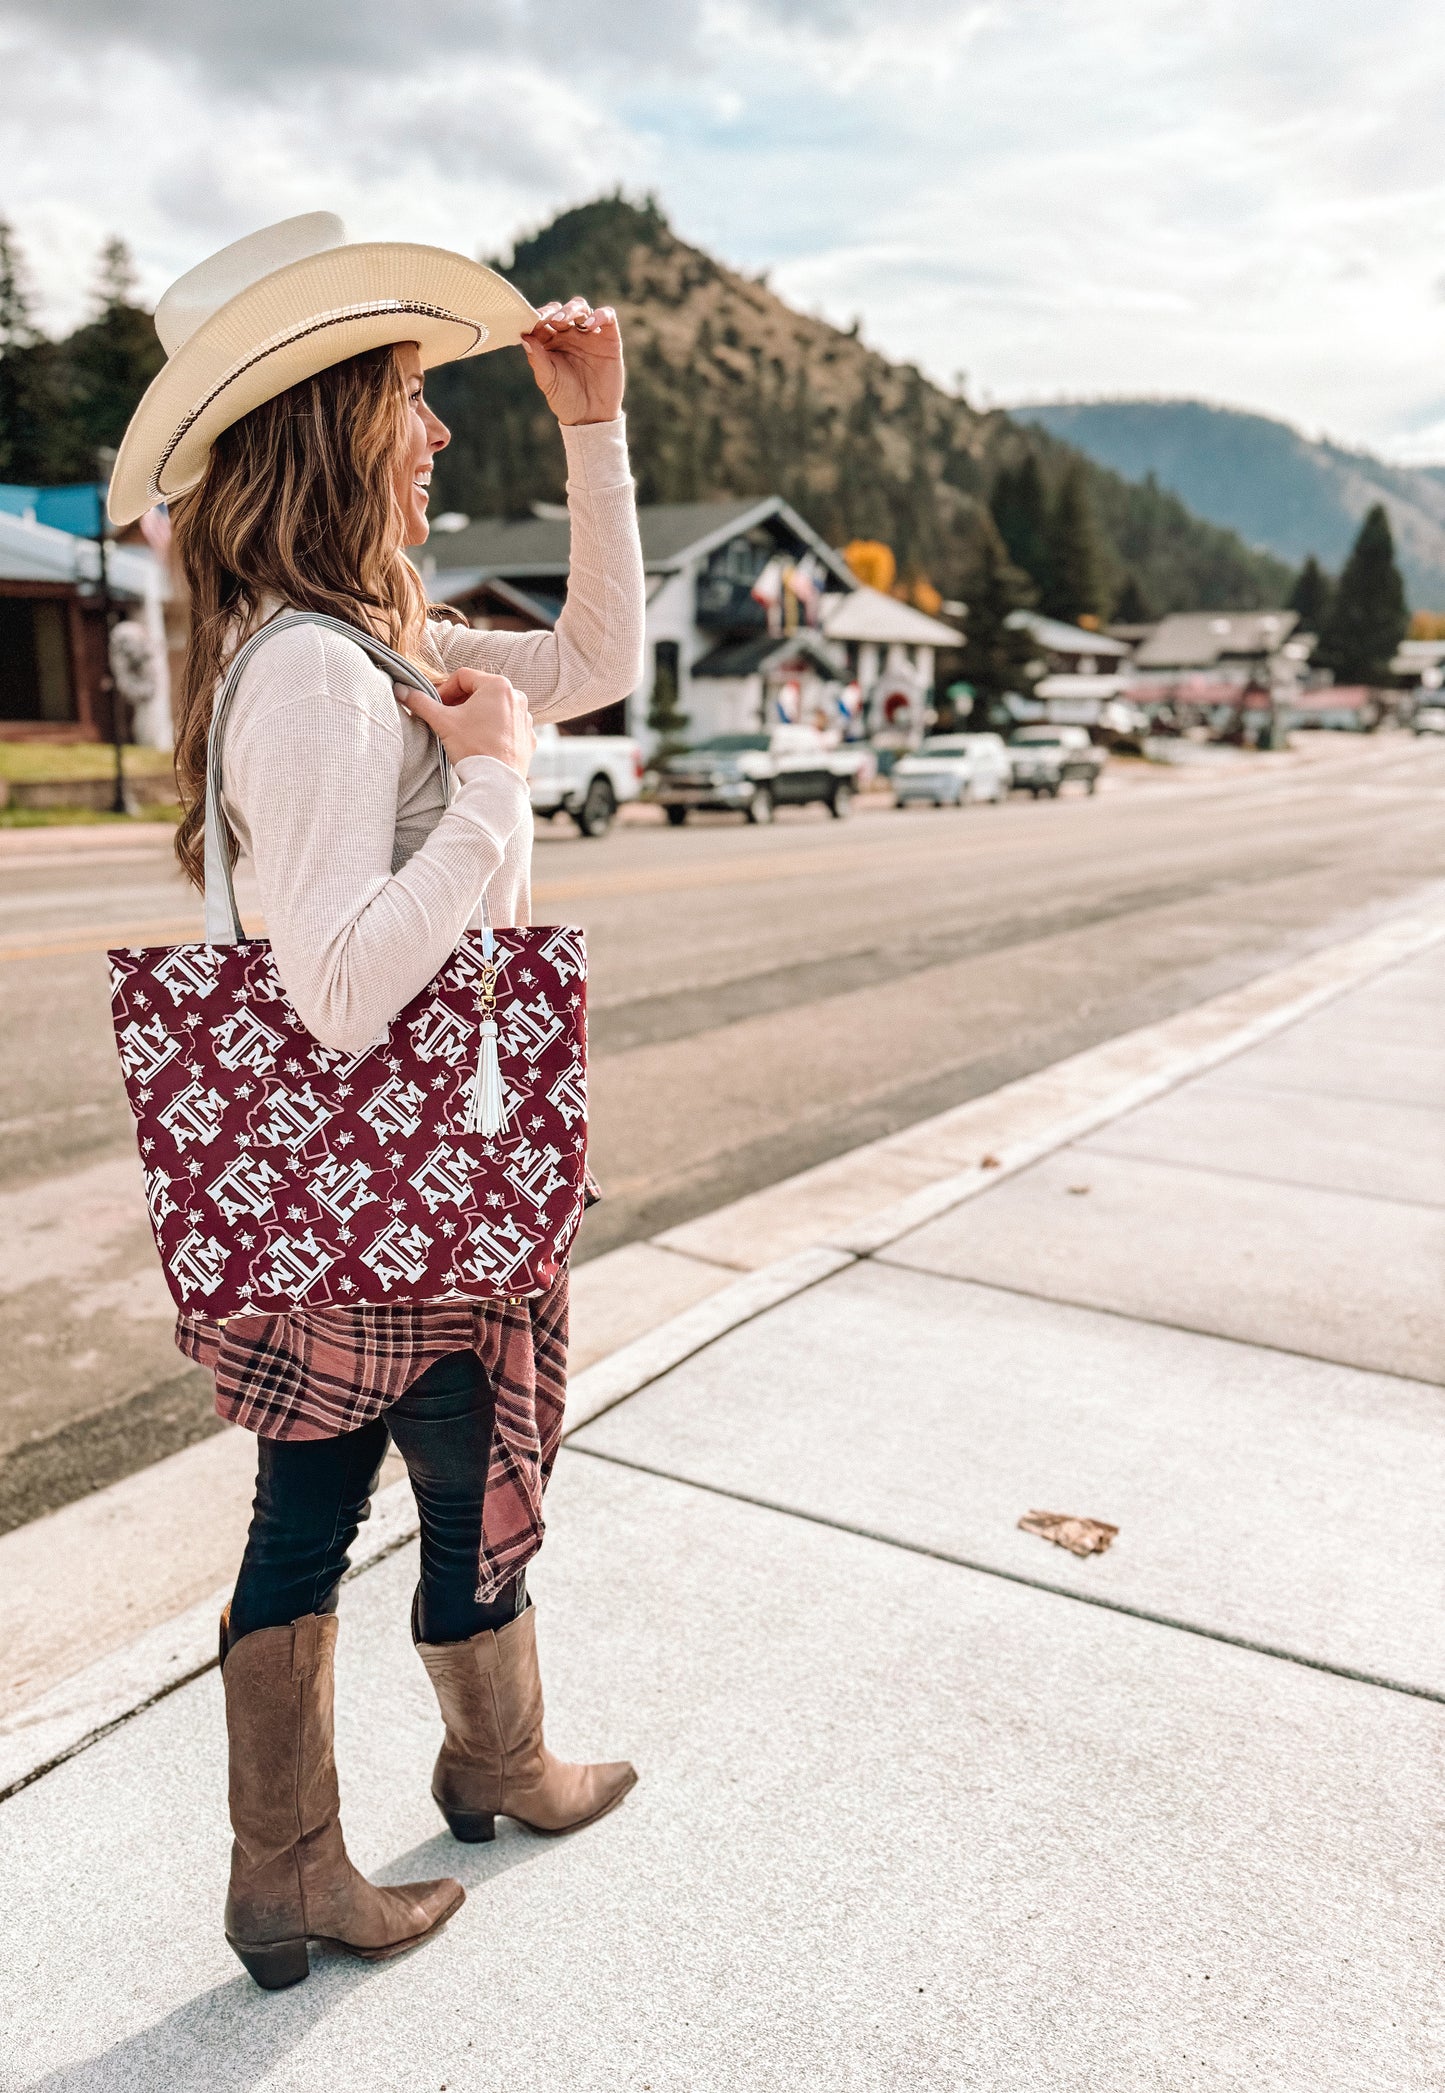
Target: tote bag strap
x=223, y=919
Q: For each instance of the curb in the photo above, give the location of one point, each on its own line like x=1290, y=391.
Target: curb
x=1030, y=1119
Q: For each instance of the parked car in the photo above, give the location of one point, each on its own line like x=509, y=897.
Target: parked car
x=948, y=769
x=588, y=776
x=1430, y=719
x=751, y=774
x=1044, y=758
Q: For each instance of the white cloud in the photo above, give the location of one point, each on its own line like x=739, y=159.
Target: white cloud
x=1060, y=196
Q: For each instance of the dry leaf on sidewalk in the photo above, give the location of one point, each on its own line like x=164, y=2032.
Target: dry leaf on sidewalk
x=1079, y=1536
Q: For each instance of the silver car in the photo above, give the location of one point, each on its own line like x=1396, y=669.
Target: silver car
x=948, y=769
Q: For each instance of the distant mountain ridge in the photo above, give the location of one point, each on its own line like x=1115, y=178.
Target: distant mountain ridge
x=1280, y=490
x=733, y=392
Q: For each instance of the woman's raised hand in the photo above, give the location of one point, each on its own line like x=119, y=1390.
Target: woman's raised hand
x=576, y=358
x=479, y=715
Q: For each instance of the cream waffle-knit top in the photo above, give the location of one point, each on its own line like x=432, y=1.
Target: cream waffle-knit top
x=367, y=877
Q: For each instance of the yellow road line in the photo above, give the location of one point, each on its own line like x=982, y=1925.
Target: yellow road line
x=104, y=940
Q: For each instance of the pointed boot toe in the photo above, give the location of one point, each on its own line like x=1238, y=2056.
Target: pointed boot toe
x=407, y=1914
x=494, y=1761
x=292, y=1880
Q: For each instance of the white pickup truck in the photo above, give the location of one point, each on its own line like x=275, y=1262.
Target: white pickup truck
x=585, y=775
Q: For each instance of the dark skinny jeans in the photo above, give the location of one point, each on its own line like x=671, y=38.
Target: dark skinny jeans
x=312, y=1495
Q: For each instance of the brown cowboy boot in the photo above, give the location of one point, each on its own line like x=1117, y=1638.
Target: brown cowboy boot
x=493, y=1760
x=291, y=1879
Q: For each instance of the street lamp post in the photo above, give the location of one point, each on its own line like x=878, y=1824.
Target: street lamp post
x=105, y=462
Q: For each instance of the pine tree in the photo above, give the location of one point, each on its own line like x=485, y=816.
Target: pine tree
x=1368, y=618
x=1131, y=606
x=993, y=655
x=1021, y=513
x=1310, y=596
x=106, y=365
x=1072, y=581
x=665, y=715
x=116, y=281
x=25, y=374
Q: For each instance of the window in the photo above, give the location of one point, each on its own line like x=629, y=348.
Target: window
x=34, y=660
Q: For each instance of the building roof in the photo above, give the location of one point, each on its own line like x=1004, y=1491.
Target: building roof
x=455, y=584
x=1056, y=637
x=76, y=509
x=672, y=533
x=1198, y=639
x=751, y=657
x=869, y=616
x=31, y=551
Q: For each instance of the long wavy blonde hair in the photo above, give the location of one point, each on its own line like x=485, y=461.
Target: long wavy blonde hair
x=298, y=506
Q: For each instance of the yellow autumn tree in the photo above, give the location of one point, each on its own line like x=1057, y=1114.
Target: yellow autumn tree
x=1427, y=625
x=872, y=562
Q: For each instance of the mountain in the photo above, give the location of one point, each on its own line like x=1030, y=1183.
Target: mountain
x=1278, y=489
x=733, y=392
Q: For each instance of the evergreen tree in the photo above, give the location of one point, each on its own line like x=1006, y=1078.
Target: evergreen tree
x=1021, y=513
x=105, y=366
x=115, y=277
x=993, y=655
x=1131, y=606
x=1368, y=617
x=26, y=378
x=1072, y=580
x=1310, y=596
x=665, y=715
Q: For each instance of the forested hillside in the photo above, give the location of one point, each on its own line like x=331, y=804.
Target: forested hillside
x=1278, y=489
x=731, y=391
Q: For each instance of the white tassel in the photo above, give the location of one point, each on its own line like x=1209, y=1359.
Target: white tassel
x=486, y=1110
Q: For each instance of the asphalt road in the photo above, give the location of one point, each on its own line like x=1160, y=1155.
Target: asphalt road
x=761, y=999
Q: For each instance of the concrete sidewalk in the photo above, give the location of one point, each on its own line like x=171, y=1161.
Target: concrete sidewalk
x=925, y=1802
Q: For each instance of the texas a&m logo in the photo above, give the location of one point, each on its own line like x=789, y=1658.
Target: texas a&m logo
x=533, y=1172
x=246, y=1188
x=193, y=1114
x=395, y=1111
x=398, y=1256
x=187, y=970
x=330, y=1061
x=440, y=1035
x=158, y=1195
x=528, y=1028
x=492, y=1254
x=289, y=1118
x=242, y=1041
x=444, y=1179
x=569, y=1095
x=291, y=1265
x=343, y=1188
x=563, y=951
x=144, y=1049
x=197, y=1264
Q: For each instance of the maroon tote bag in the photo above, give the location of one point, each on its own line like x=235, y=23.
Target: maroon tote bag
x=444, y=1162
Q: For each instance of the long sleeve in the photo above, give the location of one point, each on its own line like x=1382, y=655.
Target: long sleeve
x=316, y=767
x=593, y=657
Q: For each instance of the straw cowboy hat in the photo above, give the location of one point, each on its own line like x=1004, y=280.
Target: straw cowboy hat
x=279, y=306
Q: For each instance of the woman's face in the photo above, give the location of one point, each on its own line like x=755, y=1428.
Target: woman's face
x=424, y=438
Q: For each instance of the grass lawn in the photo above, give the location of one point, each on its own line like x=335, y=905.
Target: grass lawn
x=53, y=762
x=81, y=817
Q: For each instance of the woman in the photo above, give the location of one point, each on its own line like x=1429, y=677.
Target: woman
x=290, y=433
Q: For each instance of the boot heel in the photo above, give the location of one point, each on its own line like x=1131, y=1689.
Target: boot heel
x=276, y=1964
x=472, y=1827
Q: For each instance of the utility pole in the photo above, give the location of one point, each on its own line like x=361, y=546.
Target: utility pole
x=105, y=464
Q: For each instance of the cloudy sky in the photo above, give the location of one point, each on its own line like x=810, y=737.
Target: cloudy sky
x=1242, y=200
